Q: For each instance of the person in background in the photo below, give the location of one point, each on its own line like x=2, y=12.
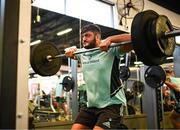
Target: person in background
x=174, y=84
x=100, y=68
x=176, y=61
x=59, y=95
x=175, y=115
x=37, y=96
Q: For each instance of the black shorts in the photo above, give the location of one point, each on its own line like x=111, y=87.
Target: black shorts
x=107, y=118
x=60, y=99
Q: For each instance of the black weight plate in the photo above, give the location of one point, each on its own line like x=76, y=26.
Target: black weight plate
x=67, y=83
x=155, y=76
x=124, y=73
x=38, y=60
x=152, y=44
x=140, y=39
x=164, y=45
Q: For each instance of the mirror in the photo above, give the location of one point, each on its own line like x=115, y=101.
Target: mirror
x=63, y=31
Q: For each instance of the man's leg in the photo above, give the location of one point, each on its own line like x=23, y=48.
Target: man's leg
x=78, y=126
x=109, y=117
x=86, y=119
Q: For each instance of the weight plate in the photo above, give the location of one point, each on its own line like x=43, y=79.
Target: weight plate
x=164, y=45
x=140, y=40
x=155, y=76
x=67, y=83
x=152, y=44
x=38, y=60
x=124, y=73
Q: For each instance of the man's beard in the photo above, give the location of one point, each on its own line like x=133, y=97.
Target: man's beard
x=92, y=44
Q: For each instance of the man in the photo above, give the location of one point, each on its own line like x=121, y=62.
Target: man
x=176, y=55
x=60, y=99
x=174, y=84
x=105, y=94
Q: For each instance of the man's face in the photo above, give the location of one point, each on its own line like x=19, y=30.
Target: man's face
x=88, y=40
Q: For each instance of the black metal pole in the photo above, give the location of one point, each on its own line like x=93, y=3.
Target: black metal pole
x=172, y=33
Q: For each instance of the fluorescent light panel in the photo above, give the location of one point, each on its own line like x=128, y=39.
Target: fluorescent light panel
x=138, y=63
x=64, y=31
x=35, y=42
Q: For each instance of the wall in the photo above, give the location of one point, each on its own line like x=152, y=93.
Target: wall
x=173, y=17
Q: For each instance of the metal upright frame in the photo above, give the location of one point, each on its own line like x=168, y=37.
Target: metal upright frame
x=75, y=89
x=150, y=103
x=15, y=22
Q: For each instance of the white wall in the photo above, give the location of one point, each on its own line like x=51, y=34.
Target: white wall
x=89, y=10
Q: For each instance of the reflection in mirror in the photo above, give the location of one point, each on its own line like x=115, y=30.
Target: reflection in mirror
x=63, y=31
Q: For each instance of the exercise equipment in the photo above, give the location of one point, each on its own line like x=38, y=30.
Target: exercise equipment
x=155, y=76
x=124, y=73
x=39, y=62
x=68, y=83
x=46, y=62
x=152, y=44
x=152, y=37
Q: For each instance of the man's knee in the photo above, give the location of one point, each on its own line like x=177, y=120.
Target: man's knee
x=77, y=126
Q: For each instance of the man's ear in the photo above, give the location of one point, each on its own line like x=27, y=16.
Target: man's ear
x=98, y=38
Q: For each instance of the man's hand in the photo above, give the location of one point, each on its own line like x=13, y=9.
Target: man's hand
x=69, y=52
x=104, y=45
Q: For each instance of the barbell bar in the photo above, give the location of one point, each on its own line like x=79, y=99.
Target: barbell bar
x=49, y=58
x=166, y=34
x=152, y=37
x=172, y=33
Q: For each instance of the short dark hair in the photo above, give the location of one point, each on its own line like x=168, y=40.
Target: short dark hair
x=91, y=27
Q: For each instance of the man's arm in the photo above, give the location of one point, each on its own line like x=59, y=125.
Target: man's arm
x=117, y=39
x=172, y=86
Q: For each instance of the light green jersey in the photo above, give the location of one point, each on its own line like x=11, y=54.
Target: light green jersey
x=176, y=81
x=101, y=75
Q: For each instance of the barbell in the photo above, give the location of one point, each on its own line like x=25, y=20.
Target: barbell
x=152, y=38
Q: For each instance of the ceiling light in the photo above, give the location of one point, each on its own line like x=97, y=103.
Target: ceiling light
x=138, y=63
x=64, y=31
x=35, y=42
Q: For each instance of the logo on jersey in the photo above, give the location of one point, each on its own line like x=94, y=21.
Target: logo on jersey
x=108, y=123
